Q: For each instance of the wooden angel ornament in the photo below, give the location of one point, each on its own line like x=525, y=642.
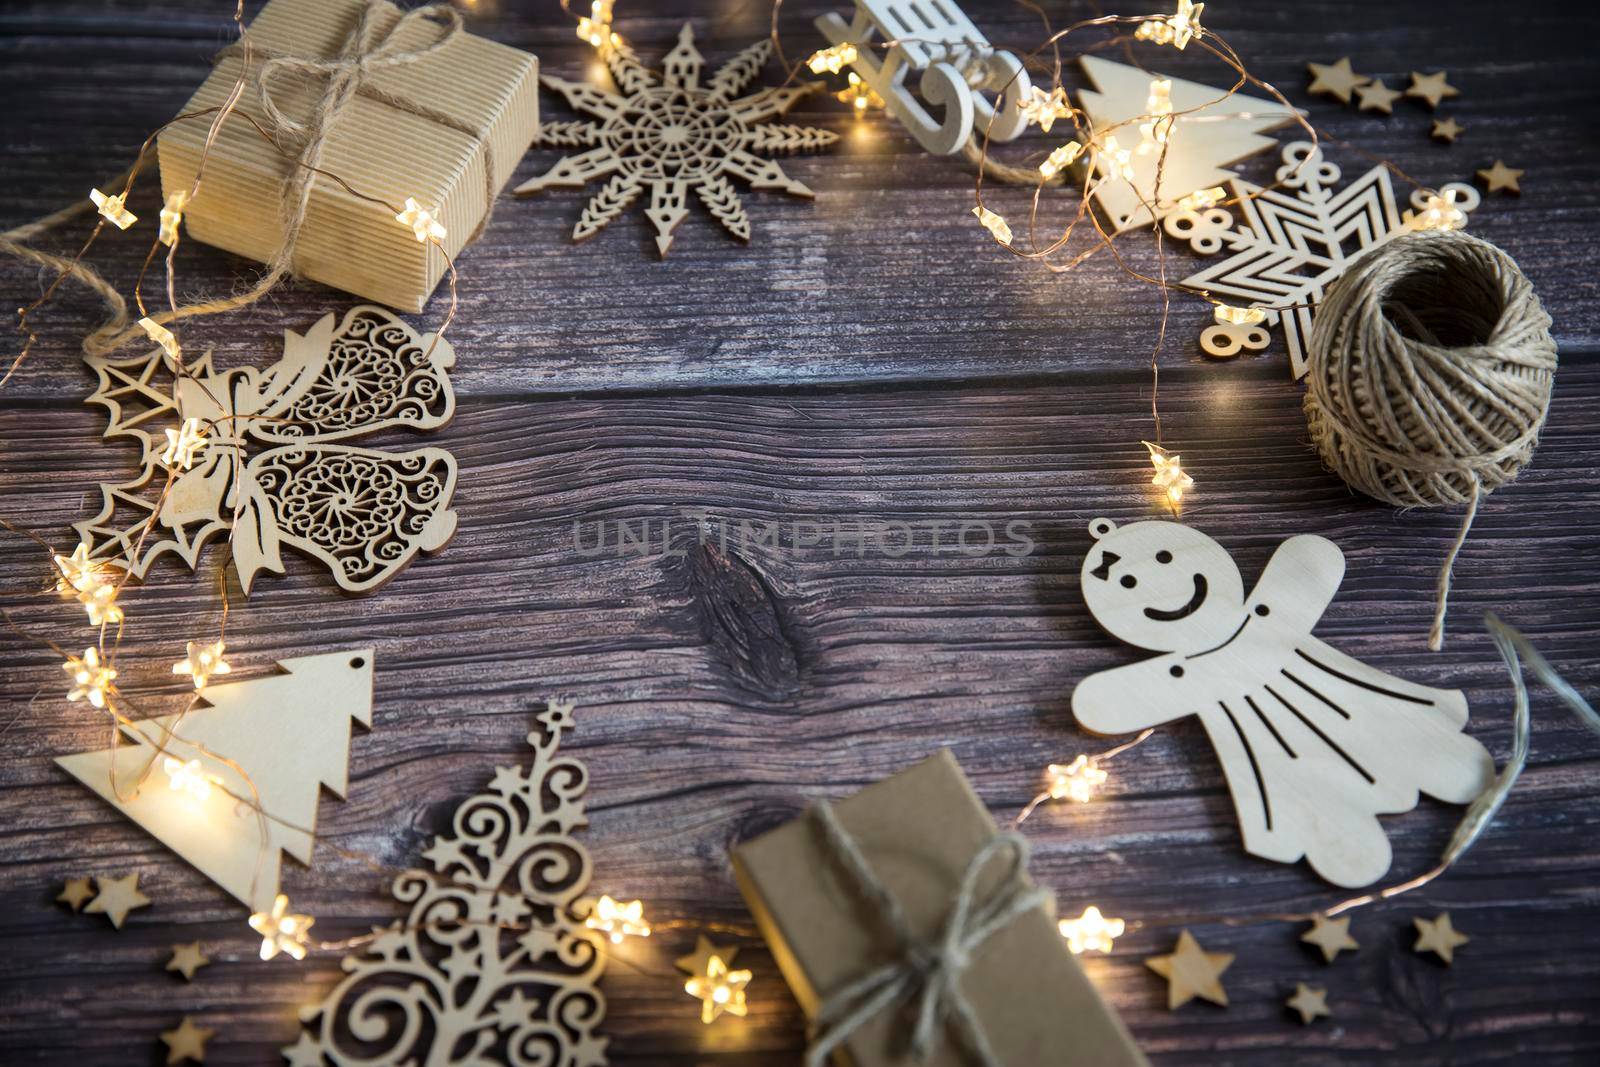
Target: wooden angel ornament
x=1315, y=745
x=261, y=453
x=954, y=62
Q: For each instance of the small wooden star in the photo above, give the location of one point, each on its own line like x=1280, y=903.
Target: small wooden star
x=1376, y=96
x=1431, y=88
x=1309, y=1002
x=1330, y=935
x=187, y=1042
x=1447, y=130
x=117, y=897
x=697, y=961
x=187, y=959
x=1192, y=972
x=1439, y=937
x=76, y=892
x=1335, y=79
x=1501, y=178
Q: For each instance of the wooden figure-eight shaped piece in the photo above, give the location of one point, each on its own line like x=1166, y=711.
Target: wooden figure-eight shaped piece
x=1314, y=744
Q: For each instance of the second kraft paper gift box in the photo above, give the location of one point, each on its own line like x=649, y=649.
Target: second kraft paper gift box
x=447, y=129
x=918, y=831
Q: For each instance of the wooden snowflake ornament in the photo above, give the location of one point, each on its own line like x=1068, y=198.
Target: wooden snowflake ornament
x=671, y=134
x=1293, y=243
x=275, y=471
x=1315, y=745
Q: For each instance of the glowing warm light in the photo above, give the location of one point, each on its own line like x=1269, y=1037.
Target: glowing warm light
x=832, y=60
x=618, y=920
x=1202, y=199
x=1170, y=476
x=1177, y=29
x=859, y=95
x=91, y=679
x=1439, y=212
x=171, y=216
x=1077, y=780
x=163, y=337
x=184, y=444
x=718, y=990
x=1060, y=159
x=1118, y=160
x=1158, y=105
x=1044, y=108
x=101, y=605
x=202, y=662
x=595, y=28
x=422, y=223
x=995, y=224
x=187, y=777
x=112, y=209
x=84, y=580
x=280, y=931
x=1091, y=932
x=1228, y=315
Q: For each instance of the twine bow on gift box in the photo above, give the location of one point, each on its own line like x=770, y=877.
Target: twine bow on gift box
x=925, y=971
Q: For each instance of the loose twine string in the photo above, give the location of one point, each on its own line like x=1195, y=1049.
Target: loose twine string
x=1431, y=366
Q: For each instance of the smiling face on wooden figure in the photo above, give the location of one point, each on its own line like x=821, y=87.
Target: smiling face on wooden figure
x=1162, y=586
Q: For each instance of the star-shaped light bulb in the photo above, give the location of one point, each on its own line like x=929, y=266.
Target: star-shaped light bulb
x=91, y=679
x=859, y=95
x=101, y=604
x=1177, y=29
x=1228, y=315
x=172, y=216
x=113, y=210
x=163, y=337
x=1091, y=931
x=1202, y=199
x=86, y=581
x=184, y=444
x=595, y=27
x=833, y=59
x=1060, y=159
x=618, y=920
x=281, y=931
x=1077, y=780
x=718, y=990
x=1042, y=108
x=187, y=777
x=202, y=662
x=421, y=221
x=994, y=223
x=1170, y=475
x=1439, y=212
x=1158, y=105
x=1118, y=160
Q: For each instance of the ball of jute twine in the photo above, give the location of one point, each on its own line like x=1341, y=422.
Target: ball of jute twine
x=1430, y=370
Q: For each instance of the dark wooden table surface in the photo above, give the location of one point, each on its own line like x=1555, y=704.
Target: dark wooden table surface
x=870, y=357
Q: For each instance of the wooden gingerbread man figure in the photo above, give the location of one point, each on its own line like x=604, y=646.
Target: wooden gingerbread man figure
x=1315, y=745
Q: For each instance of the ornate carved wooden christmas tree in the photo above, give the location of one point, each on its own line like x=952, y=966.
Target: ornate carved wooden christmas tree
x=290, y=733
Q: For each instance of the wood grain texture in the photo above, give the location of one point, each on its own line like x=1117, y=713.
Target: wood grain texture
x=722, y=688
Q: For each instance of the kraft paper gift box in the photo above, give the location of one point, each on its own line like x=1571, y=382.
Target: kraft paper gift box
x=467, y=114
x=918, y=831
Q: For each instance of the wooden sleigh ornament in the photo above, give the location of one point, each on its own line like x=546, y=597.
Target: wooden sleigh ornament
x=1315, y=745
x=955, y=63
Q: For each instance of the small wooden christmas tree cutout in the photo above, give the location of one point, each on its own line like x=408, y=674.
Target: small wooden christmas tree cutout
x=1315, y=745
x=1198, y=152
x=671, y=134
x=290, y=733
x=490, y=965
x=269, y=467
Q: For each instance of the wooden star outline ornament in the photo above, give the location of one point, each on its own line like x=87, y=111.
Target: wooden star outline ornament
x=1431, y=88
x=1192, y=972
x=1310, y=1003
x=1501, y=178
x=187, y=959
x=1332, y=936
x=187, y=1042
x=117, y=897
x=76, y=892
x=1335, y=79
x=1439, y=937
x=669, y=133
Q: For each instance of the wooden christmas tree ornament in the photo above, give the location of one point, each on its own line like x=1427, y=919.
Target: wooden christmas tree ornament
x=1198, y=153
x=1292, y=244
x=1315, y=745
x=671, y=134
x=290, y=733
x=954, y=64
x=273, y=469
